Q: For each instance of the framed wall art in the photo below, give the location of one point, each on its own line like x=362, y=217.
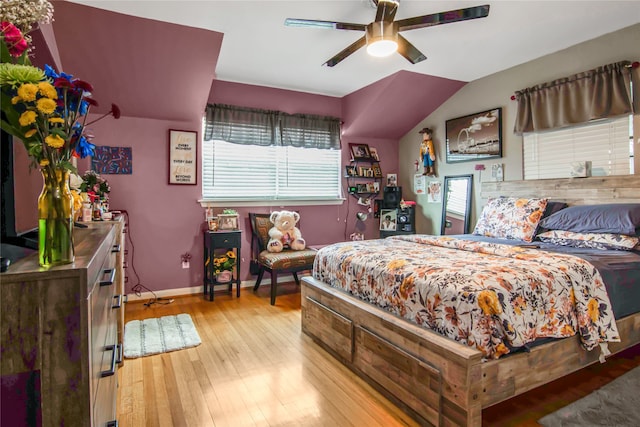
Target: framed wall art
x=360, y=151
x=474, y=137
x=183, y=157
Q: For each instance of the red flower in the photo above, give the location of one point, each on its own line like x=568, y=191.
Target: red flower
x=91, y=102
x=62, y=82
x=82, y=85
x=13, y=38
x=115, y=110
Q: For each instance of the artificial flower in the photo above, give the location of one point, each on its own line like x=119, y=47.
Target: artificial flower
x=47, y=106
x=54, y=141
x=16, y=44
x=94, y=185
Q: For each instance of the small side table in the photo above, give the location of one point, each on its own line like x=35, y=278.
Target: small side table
x=218, y=240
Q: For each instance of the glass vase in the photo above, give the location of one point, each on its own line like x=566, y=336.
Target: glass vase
x=55, y=219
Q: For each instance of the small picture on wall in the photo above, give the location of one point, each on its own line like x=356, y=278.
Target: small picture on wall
x=374, y=154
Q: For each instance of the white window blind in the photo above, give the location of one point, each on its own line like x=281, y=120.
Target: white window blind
x=605, y=143
x=236, y=172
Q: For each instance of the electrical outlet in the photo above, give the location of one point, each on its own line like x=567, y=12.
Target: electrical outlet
x=185, y=264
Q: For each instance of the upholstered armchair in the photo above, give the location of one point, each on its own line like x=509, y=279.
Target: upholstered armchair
x=287, y=261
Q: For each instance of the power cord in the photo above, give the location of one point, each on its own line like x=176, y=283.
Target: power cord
x=139, y=287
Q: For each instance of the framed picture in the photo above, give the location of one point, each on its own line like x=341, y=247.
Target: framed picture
x=351, y=171
x=377, y=172
x=392, y=180
x=474, y=137
x=359, y=151
x=228, y=221
x=374, y=154
x=183, y=157
x=388, y=219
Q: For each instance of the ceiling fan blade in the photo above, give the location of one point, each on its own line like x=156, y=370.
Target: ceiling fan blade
x=311, y=23
x=386, y=10
x=346, y=52
x=409, y=51
x=443, y=18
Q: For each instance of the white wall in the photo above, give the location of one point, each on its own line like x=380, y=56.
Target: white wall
x=495, y=91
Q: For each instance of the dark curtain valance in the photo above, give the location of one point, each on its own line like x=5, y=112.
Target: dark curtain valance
x=250, y=126
x=596, y=94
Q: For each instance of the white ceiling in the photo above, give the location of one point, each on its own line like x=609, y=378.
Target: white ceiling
x=258, y=49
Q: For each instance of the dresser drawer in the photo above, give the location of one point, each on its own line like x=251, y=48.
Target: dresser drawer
x=103, y=318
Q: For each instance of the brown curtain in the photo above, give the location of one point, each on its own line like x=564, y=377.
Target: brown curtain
x=599, y=93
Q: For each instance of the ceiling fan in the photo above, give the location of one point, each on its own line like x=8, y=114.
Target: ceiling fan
x=382, y=35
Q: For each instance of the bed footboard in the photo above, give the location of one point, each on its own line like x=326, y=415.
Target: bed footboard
x=434, y=379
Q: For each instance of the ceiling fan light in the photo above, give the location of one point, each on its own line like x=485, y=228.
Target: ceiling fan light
x=382, y=38
x=382, y=48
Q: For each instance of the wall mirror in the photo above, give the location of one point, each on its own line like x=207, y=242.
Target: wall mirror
x=456, y=204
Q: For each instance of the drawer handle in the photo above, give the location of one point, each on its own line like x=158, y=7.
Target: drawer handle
x=112, y=277
x=113, y=423
x=115, y=356
x=118, y=303
x=115, y=249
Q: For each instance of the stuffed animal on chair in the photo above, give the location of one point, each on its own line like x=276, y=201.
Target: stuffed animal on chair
x=284, y=233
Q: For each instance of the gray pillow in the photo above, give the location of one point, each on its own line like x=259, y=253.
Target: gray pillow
x=620, y=218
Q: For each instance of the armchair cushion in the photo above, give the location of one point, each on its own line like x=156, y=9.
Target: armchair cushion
x=287, y=259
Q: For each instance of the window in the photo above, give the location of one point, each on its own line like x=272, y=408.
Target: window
x=606, y=143
x=251, y=155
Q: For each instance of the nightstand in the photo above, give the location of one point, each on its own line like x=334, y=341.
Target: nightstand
x=216, y=242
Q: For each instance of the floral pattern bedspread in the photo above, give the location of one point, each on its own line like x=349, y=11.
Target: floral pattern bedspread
x=490, y=296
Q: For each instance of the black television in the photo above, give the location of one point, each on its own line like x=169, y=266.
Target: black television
x=13, y=244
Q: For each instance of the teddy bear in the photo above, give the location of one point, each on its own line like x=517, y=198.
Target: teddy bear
x=284, y=233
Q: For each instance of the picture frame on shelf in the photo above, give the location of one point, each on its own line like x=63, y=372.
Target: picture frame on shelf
x=361, y=188
x=360, y=151
x=227, y=221
x=351, y=170
x=183, y=157
x=474, y=137
x=377, y=172
x=392, y=180
x=373, y=152
x=388, y=219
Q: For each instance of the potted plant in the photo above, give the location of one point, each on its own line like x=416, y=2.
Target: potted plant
x=223, y=265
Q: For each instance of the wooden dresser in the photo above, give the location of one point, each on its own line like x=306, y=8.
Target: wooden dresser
x=59, y=335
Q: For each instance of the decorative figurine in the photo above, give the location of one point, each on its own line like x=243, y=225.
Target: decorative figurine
x=427, y=152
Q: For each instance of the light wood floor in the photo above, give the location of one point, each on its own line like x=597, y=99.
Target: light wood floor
x=256, y=368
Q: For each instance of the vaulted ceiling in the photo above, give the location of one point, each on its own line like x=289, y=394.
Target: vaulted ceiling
x=158, y=59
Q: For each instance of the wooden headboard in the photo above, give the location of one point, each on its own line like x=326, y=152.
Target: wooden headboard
x=573, y=191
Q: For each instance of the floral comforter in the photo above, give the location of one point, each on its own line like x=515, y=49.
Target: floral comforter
x=490, y=296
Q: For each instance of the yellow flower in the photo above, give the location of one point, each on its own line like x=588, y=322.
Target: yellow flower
x=593, y=310
x=56, y=120
x=30, y=133
x=28, y=92
x=488, y=302
x=15, y=100
x=54, y=141
x=46, y=105
x=27, y=118
x=44, y=162
x=47, y=89
x=231, y=254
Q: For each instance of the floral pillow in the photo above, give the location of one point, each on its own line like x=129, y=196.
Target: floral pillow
x=510, y=218
x=590, y=240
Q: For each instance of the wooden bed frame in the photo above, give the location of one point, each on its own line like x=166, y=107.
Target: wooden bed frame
x=439, y=381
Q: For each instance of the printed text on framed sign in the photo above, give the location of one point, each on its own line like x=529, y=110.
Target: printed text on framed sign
x=183, y=157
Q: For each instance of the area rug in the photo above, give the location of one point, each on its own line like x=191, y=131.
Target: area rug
x=159, y=335
x=615, y=404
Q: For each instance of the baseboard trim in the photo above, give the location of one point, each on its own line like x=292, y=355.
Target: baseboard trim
x=197, y=290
